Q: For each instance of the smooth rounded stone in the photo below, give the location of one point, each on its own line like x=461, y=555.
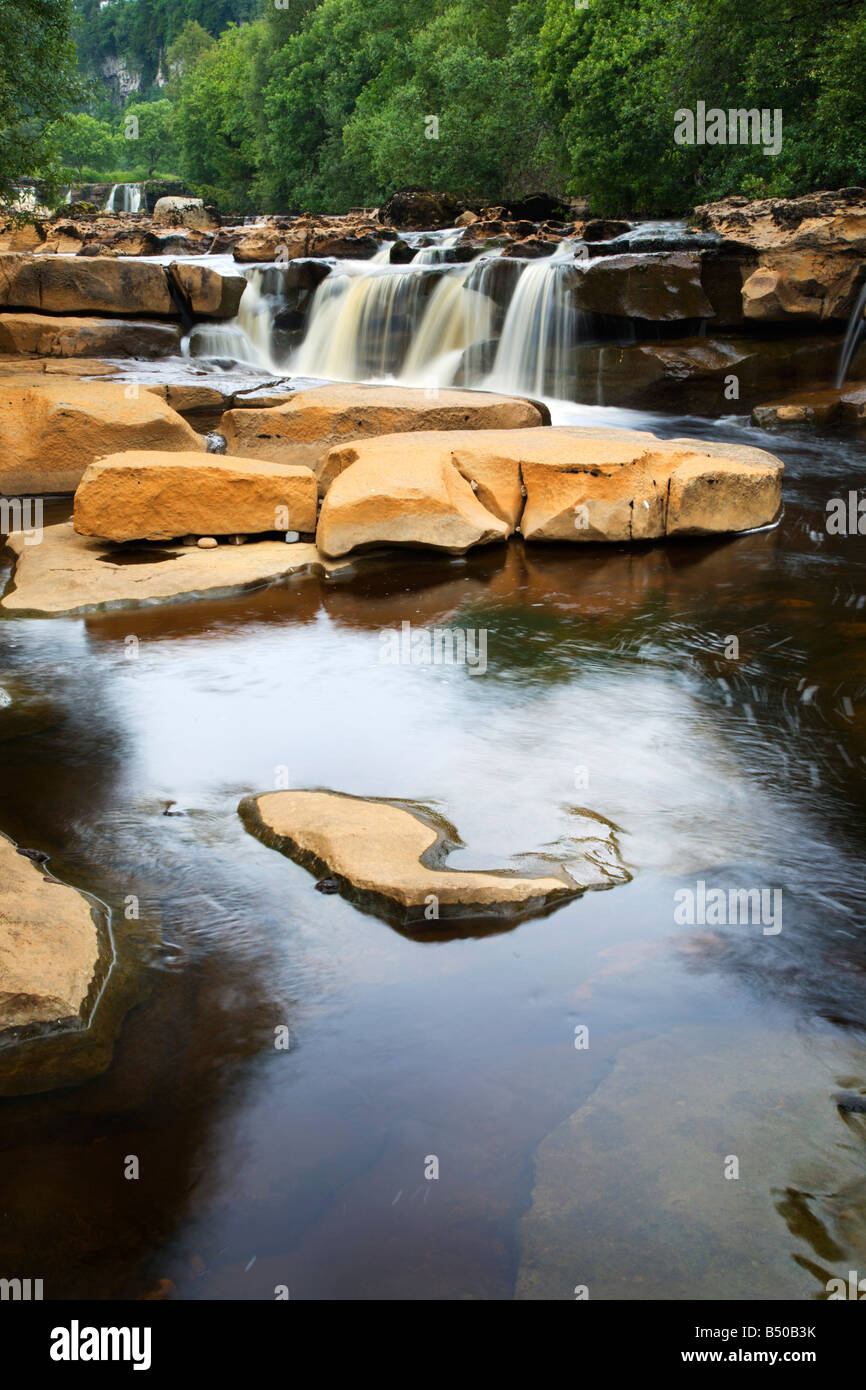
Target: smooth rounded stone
x=49, y=945
x=207, y=543
x=53, y=428
x=378, y=501
x=389, y=857
x=315, y=421
x=45, y=335
x=184, y=212
x=156, y=496
x=89, y=285
x=67, y=573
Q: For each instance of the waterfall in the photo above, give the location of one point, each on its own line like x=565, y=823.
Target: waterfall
x=495, y=323
x=852, y=337
x=456, y=318
x=361, y=323
x=536, y=350
x=246, y=339
x=130, y=198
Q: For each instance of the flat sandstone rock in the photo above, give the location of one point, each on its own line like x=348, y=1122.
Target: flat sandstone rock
x=49, y=945
x=553, y=484
x=314, y=421
x=67, y=573
x=388, y=857
x=52, y=428
x=146, y=495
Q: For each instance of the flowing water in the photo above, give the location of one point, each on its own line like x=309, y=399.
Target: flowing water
x=607, y=687
x=124, y=197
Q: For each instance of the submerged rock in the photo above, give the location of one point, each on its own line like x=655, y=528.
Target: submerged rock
x=138, y=495
x=389, y=858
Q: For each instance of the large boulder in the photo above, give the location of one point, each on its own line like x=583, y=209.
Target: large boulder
x=49, y=335
x=602, y=485
x=377, y=502
x=184, y=212
x=75, y=285
x=49, y=946
x=417, y=209
x=53, y=428
x=158, y=496
x=579, y=484
x=313, y=422
x=662, y=287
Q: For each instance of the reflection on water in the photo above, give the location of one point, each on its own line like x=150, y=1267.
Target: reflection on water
x=607, y=686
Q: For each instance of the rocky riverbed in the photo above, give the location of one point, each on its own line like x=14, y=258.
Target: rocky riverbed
x=366, y=612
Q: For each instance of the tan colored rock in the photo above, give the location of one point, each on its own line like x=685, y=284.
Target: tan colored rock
x=188, y=398
x=43, y=335
x=825, y=406
x=375, y=502
x=49, y=945
x=486, y=459
x=587, y=485
x=466, y=218
x=139, y=495
x=53, y=427
x=84, y=285
x=769, y=295
x=313, y=422
x=580, y=484
x=390, y=860
x=68, y=574
x=209, y=294
x=708, y=495
x=184, y=212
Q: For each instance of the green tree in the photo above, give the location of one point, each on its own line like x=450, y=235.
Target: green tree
x=149, y=128
x=215, y=121
x=39, y=81
x=85, y=143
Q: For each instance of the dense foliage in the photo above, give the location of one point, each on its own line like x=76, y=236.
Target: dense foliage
x=39, y=81
x=324, y=104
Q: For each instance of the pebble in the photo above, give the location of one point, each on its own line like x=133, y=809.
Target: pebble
x=292, y=537
x=207, y=543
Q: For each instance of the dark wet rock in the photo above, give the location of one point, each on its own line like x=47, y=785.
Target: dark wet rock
x=327, y=885
x=402, y=253
x=416, y=208
x=604, y=229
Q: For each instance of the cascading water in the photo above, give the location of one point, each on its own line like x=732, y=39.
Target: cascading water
x=540, y=333
x=124, y=197
x=456, y=318
x=494, y=323
x=361, y=323
x=852, y=337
